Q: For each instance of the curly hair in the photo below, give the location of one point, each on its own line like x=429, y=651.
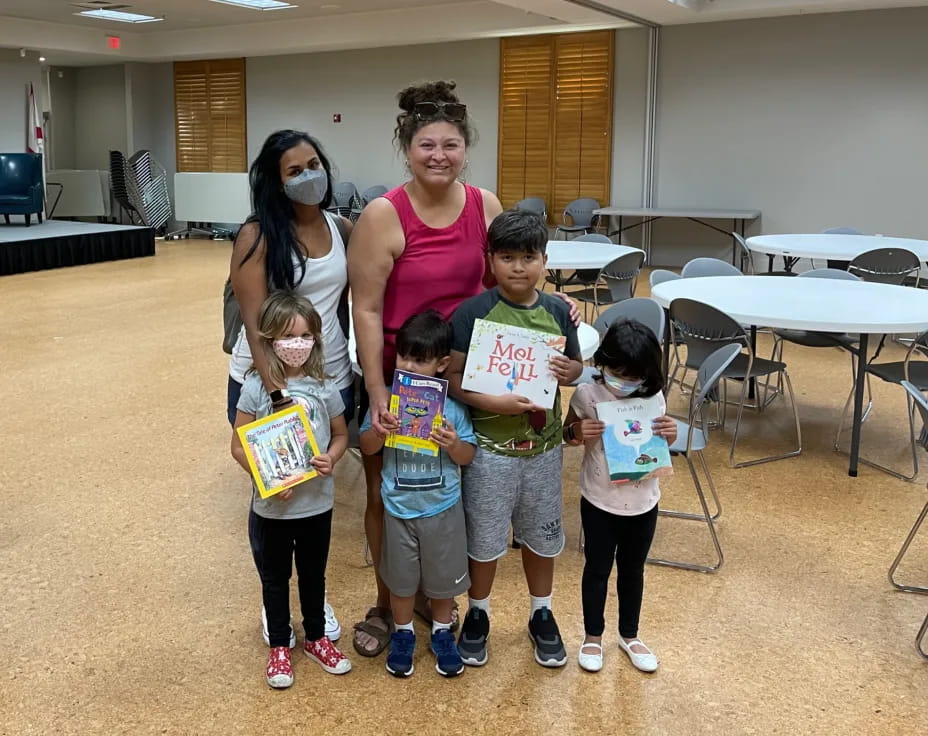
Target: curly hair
x=407, y=124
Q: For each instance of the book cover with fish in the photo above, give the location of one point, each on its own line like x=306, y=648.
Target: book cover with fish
x=503, y=359
x=633, y=452
x=279, y=448
x=418, y=402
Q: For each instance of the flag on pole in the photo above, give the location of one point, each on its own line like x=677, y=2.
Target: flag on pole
x=34, y=138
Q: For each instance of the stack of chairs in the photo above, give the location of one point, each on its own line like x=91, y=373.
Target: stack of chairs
x=148, y=186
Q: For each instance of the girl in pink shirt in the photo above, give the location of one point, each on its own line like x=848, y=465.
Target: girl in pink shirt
x=618, y=520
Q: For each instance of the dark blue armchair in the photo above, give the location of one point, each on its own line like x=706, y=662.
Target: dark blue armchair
x=21, y=185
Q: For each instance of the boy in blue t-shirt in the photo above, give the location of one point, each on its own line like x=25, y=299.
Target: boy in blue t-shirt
x=424, y=539
x=515, y=478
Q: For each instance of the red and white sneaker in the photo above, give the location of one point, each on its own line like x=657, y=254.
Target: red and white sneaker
x=327, y=655
x=279, y=669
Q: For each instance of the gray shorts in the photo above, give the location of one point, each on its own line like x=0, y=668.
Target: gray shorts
x=428, y=553
x=524, y=491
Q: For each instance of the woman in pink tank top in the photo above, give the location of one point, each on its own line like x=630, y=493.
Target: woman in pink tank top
x=421, y=246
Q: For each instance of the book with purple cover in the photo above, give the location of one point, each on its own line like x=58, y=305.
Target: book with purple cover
x=418, y=402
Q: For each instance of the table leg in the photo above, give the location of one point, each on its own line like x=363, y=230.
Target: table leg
x=751, y=382
x=859, y=381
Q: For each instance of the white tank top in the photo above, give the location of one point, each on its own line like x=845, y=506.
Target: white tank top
x=323, y=282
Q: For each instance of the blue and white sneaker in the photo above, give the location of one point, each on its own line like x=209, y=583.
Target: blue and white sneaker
x=402, y=647
x=448, y=662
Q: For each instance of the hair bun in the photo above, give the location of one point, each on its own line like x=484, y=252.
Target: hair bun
x=440, y=91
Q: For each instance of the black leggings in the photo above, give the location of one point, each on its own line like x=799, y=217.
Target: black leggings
x=282, y=541
x=625, y=540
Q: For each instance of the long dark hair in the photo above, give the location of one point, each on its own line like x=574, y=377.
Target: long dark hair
x=273, y=210
x=632, y=349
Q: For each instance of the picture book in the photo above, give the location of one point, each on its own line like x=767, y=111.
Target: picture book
x=279, y=448
x=633, y=452
x=419, y=404
x=505, y=359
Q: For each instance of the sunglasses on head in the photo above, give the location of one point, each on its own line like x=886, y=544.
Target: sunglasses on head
x=453, y=112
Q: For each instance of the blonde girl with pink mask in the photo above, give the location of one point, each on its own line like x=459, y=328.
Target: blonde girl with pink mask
x=295, y=525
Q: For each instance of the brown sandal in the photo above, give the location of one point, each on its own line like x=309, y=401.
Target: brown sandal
x=423, y=609
x=380, y=634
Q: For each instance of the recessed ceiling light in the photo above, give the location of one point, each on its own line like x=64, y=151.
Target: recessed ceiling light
x=330, y=6
x=258, y=4
x=120, y=16
x=41, y=58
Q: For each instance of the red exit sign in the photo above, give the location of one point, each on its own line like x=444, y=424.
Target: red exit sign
x=113, y=42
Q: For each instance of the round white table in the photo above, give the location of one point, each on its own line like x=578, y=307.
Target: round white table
x=570, y=254
x=827, y=246
x=823, y=305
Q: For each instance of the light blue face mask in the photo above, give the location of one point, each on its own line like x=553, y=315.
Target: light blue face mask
x=307, y=187
x=620, y=387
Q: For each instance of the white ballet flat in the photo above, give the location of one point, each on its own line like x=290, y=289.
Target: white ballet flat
x=590, y=662
x=644, y=662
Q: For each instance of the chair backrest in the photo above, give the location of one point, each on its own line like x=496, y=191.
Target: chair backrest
x=344, y=194
x=744, y=253
x=580, y=211
x=829, y=273
x=708, y=267
x=372, y=193
x=885, y=265
x=642, y=309
x=533, y=204
x=708, y=375
x=704, y=329
x=19, y=172
x=593, y=238
x=842, y=231
x=621, y=275
x=660, y=275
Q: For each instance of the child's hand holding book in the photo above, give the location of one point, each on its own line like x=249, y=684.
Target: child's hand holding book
x=665, y=427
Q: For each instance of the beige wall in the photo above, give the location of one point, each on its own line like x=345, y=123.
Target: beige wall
x=304, y=91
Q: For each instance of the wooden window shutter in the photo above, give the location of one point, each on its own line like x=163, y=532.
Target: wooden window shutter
x=525, y=115
x=582, y=118
x=209, y=109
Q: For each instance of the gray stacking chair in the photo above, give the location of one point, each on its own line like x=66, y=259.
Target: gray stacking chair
x=621, y=279
x=534, y=204
x=915, y=373
x=886, y=266
x=368, y=195
x=692, y=438
x=581, y=217
x=641, y=309
x=660, y=275
x=699, y=267
x=705, y=328
x=921, y=403
x=345, y=199
x=743, y=254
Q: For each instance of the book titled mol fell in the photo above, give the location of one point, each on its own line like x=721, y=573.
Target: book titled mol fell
x=633, y=452
x=503, y=359
x=279, y=448
x=418, y=402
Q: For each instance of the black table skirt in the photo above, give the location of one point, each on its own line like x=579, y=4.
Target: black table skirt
x=75, y=250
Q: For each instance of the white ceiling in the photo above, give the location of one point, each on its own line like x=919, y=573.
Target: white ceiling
x=204, y=29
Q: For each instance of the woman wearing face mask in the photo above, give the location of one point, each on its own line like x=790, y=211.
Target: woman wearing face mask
x=290, y=242
x=618, y=520
x=421, y=246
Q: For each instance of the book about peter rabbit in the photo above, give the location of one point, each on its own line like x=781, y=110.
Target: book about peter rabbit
x=633, y=452
x=418, y=402
x=504, y=359
x=279, y=448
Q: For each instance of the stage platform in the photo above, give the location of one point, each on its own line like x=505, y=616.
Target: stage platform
x=58, y=243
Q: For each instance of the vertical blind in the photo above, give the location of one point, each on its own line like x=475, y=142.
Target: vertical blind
x=209, y=115
x=555, y=124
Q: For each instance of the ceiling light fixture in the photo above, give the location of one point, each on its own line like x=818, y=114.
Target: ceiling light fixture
x=258, y=4
x=119, y=15
x=41, y=59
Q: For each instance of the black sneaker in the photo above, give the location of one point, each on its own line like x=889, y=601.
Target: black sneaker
x=472, y=643
x=549, y=647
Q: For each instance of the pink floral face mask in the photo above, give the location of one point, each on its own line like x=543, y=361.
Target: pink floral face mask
x=294, y=351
